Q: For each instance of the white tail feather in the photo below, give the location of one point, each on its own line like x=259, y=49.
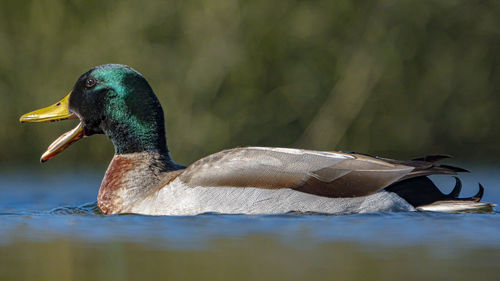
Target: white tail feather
x=455, y=206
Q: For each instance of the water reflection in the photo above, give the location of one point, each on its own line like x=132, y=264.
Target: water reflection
x=255, y=257
x=47, y=232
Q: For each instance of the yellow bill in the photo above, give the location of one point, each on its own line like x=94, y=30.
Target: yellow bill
x=56, y=112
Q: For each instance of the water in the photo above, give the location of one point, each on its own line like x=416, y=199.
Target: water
x=50, y=229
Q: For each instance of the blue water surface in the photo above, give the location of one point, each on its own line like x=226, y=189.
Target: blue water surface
x=47, y=209
x=56, y=206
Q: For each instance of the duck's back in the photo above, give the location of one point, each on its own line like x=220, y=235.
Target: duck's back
x=258, y=180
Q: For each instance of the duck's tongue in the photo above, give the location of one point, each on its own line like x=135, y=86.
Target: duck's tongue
x=62, y=142
x=56, y=112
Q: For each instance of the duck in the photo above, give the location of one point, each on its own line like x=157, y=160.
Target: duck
x=142, y=178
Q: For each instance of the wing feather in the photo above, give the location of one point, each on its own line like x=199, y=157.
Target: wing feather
x=329, y=174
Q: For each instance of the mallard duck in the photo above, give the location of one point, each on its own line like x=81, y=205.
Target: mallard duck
x=142, y=178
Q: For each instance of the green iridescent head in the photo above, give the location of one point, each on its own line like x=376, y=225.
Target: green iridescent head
x=109, y=99
x=116, y=100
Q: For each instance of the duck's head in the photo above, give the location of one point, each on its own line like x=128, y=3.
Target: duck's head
x=110, y=99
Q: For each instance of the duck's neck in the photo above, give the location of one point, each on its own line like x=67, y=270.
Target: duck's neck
x=136, y=135
x=131, y=177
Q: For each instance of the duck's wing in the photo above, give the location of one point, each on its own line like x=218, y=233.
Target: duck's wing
x=329, y=174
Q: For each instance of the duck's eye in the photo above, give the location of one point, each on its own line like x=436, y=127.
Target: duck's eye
x=90, y=83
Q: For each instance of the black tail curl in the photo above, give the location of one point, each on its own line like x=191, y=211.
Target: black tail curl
x=422, y=191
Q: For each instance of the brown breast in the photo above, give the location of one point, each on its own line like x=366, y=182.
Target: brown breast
x=108, y=200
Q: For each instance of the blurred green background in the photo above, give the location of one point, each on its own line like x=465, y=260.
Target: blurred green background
x=393, y=78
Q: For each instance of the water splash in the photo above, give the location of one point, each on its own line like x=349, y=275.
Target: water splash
x=90, y=208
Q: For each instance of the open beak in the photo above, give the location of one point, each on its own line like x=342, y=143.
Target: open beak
x=56, y=112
